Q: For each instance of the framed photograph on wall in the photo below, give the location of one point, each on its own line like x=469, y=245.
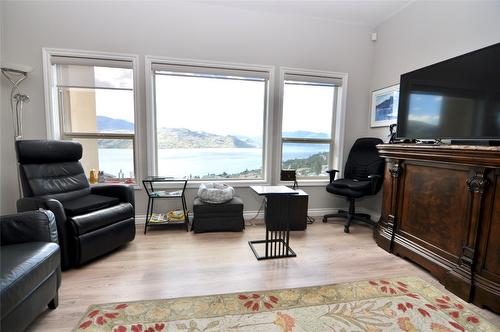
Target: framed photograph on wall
x=384, y=106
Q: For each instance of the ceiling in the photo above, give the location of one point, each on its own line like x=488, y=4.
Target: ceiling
x=360, y=12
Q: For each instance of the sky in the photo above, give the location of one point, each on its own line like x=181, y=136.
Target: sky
x=117, y=104
x=220, y=106
x=308, y=108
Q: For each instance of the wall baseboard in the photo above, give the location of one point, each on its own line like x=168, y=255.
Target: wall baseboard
x=258, y=216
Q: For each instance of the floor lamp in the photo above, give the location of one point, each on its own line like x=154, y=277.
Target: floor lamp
x=16, y=74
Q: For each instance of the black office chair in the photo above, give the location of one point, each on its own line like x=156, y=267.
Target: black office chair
x=363, y=176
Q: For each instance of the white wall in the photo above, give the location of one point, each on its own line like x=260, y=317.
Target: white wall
x=8, y=182
x=183, y=30
x=427, y=32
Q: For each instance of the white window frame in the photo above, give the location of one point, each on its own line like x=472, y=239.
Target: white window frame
x=151, y=116
x=335, y=160
x=52, y=115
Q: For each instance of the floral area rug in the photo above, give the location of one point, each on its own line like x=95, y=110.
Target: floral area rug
x=400, y=304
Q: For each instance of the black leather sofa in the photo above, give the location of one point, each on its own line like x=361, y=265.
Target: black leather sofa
x=91, y=221
x=30, y=267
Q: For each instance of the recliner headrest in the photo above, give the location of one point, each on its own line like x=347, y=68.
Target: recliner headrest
x=47, y=151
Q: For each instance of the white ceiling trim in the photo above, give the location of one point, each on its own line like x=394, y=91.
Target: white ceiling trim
x=367, y=13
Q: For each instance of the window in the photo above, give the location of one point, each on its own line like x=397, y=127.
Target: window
x=309, y=107
x=95, y=106
x=209, y=121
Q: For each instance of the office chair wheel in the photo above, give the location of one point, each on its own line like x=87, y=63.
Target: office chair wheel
x=346, y=229
x=325, y=219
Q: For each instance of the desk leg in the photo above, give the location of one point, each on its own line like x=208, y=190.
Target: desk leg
x=277, y=242
x=267, y=245
x=184, y=209
x=148, y=215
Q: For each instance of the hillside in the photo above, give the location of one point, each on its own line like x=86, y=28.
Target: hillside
x=107, y=124
x=308, y=166
x=179, y=138
x=182, y=138
x=304, y=134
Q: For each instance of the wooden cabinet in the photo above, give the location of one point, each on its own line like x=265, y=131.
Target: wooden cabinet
x=441, y=209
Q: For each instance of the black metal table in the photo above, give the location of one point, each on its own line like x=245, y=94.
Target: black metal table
x=153, y=193
x=277, y=242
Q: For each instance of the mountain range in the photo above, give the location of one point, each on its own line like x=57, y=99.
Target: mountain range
x=178, y=138
x=107, y=124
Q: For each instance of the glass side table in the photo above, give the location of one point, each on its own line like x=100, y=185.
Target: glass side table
x=151, y=184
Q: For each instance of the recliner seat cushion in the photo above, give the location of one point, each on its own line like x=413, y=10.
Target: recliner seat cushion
x=88, y=203
x=86, y=223
x=24, y=267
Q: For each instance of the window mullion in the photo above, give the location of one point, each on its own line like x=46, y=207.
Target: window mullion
x=91, y=87
x=331, y=155
x=306, y=140
x=100, y=135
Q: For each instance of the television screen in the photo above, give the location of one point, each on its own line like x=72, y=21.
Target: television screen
x=455, y=99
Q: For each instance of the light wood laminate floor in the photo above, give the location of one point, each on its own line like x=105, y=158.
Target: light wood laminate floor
x=168, y=263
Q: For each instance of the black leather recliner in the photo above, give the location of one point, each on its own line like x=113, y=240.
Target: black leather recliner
x=91, y=221
x=363, y=176
x=30, y=267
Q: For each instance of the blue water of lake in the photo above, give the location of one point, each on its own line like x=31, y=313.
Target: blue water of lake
x=199, y=162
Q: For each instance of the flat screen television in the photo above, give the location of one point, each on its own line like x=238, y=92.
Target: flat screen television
x=457, y=99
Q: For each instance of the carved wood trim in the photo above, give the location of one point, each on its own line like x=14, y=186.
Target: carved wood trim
x=396, y=171
x=477, y=184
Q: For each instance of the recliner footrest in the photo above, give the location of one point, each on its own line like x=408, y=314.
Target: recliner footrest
x=89, y=222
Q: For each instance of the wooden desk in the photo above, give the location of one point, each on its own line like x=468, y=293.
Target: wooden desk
x=441, y=209
x=277, y=242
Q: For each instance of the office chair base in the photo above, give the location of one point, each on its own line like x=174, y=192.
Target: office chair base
x=349, y=216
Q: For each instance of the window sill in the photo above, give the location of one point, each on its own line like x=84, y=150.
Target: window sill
x=307, y=183
x=195, y=184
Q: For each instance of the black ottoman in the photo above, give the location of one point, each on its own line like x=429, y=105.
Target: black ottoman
x=225, y=217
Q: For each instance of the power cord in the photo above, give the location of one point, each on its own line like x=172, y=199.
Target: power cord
x=257, y=214
x=310, y=219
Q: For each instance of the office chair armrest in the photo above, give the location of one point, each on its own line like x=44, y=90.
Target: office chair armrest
x=332, y=173
x=374, y=178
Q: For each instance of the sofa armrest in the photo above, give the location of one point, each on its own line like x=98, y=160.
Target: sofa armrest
x=32, y=226
x=31, y=204
x=35, y=203
x=63, y=229
x=125, y=193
